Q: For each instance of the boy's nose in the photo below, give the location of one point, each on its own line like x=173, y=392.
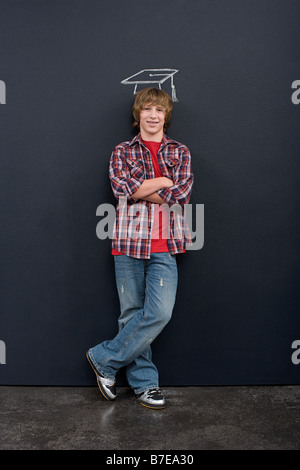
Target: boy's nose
x=153, y=112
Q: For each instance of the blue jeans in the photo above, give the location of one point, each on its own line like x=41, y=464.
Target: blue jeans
x=147, y=292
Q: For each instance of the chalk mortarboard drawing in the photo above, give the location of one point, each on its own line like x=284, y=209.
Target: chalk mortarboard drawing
x=152, y=77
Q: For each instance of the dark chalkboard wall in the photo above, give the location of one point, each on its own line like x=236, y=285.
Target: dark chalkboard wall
x=62, y=62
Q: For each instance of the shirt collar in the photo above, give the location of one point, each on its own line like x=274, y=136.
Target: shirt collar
x=138, y=140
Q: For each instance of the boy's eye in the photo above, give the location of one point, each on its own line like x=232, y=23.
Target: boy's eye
x=148, y=108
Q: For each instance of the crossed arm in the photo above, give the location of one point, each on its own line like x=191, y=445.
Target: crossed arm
x=148, y=189
x=162, y=190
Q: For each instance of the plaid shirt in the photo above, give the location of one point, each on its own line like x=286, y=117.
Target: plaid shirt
x=129, y=165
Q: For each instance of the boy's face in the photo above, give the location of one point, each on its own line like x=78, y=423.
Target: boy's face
x=152, y=119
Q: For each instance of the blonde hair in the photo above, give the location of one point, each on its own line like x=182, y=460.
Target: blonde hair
x=152, y=96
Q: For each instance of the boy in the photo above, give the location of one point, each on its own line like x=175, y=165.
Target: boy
x=151, y=173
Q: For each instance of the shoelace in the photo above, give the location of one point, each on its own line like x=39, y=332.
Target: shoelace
x=155, y=393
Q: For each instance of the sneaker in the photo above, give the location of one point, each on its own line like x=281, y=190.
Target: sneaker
x=107, y=386
x=152, y=399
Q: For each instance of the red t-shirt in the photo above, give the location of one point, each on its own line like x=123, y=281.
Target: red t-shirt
x=158, y=244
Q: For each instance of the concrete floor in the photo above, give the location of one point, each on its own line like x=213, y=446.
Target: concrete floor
x=232, y=417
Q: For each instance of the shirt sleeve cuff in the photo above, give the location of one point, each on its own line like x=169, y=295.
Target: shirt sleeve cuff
x=166, y=195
